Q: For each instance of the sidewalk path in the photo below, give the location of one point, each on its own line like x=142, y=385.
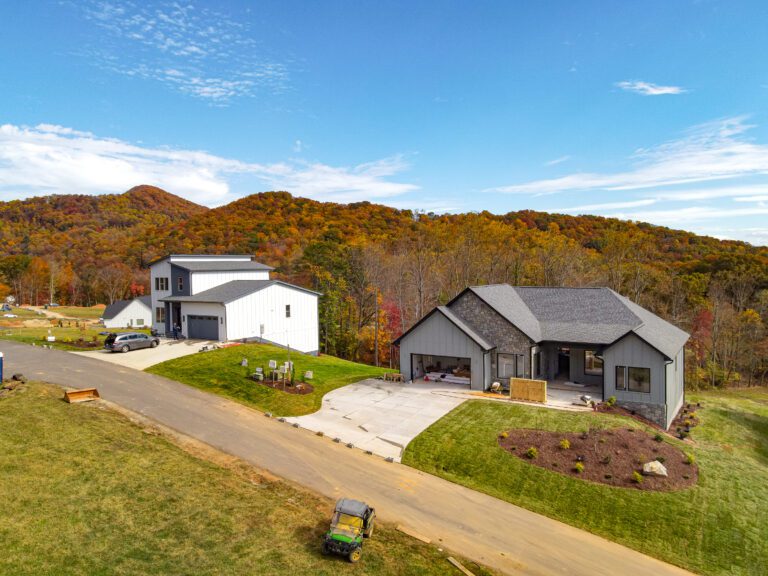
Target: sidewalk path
x=490, y=531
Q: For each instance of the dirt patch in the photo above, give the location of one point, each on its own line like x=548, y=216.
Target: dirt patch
x=608, y=456
x=300, y=388
x=84, y=344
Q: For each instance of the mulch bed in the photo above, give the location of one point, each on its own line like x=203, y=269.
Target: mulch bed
x=300, y=388
x=609, y=456
x=83, y=344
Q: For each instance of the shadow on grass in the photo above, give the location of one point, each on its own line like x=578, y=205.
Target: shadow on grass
x=752, y=425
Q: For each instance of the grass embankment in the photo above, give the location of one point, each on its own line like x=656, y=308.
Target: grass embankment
x=220, y=372
x=66, y=336
x=717, y=527
x=79, y=312
x=23, y=313
x=86, y=492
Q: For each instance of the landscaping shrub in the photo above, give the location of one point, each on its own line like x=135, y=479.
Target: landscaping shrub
x=611, y=401
x=690, y=459
x=504, y=435
x=565, y=444
x=660, y=459
x=578, y=468
x=532, y=452
x=637, y=478
x=658, y=437
x=606, y=460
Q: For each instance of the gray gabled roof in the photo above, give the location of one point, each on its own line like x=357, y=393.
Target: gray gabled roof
x=223, y=266
x=456, y=321
x=118, y=306
x=597, y=316
x=231, y=291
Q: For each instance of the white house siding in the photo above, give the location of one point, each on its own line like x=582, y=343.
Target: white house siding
x=135, y=315
x=203, y=309
x=159, y=270
x=267, y=307
x=438, y=336
x=202, y=281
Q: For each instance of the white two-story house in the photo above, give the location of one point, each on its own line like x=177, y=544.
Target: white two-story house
x=231, y=297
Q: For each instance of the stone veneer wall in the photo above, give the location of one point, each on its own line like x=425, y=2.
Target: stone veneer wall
x=498, y=331
x=655, y=413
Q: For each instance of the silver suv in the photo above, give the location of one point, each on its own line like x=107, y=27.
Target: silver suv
x=128, y=341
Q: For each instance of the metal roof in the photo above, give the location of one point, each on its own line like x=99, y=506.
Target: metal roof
x=231, y=291
x=222, y=266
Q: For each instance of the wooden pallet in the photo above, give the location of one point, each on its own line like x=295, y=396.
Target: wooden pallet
x=81, y=395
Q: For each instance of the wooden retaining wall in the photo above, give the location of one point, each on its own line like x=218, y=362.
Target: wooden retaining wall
x=530, y=390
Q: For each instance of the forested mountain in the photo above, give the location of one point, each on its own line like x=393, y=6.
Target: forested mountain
x=380, y=269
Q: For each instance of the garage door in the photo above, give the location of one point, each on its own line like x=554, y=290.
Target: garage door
x=203, y=327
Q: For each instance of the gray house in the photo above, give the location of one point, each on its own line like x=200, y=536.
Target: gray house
x=579, y=337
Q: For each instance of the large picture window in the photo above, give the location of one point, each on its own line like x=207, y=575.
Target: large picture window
x=621, y=377
x=639, y=379
x=593, y=364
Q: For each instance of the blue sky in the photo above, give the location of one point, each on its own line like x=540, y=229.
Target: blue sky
x=654, y=111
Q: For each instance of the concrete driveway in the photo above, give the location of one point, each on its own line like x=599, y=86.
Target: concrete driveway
x=382, y=417
x=146, y=357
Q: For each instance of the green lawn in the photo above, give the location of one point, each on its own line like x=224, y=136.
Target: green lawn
x=718, y=527
x=80, y=312
x=23, y=313
x=220, y=372
x=64, y=336
x=85, y=492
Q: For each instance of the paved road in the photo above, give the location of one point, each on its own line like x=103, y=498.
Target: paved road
x=487, y=530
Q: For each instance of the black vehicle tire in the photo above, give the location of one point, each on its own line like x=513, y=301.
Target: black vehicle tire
x=154, y=344
x=355, y=555
x=324, y=550
x=125, y=349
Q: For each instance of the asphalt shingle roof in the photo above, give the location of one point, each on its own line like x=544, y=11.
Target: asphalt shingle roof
x=119, y=305
x=579, y=316
x=231, y=291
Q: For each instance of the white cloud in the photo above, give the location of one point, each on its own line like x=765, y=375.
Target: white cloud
x=714, y=151
x=198, y=51
x=557, y=161
x=679, y=217
x=298, y=146
x=648, y=89
x=50, y=159
x=607, y=206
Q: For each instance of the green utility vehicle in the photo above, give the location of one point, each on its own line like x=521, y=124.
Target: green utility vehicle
x=352, y=521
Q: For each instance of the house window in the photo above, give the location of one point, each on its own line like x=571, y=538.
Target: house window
x=180, y=282
x=510, y=365
x=287, y=310
x=161, y=283
x=621, y=377
x=537, y=364
x=593, y=364
x=139, y=321
x=639, y=379
x=160, y=314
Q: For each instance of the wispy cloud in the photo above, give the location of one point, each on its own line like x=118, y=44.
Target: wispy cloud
x=606, y=206
x=714, y=151
x=50, y=159
x=557, y=161
x=198, y=51
x=648, y=89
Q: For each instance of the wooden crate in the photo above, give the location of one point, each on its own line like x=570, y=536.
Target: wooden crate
x=530, y=390
x=82, y=395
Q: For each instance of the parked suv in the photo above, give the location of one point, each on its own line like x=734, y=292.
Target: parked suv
x=128, y=341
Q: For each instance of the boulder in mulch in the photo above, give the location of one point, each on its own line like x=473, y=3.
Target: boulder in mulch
x=655, y=468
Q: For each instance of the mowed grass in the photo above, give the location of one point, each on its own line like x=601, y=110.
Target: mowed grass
x=22, y=313
x=220, y=372
x=65, y=336
x=720, y=526
x=86, y=492
x=84, y=312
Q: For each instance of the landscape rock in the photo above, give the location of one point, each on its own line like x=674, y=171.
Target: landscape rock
x=654, y=468
x=19, y=378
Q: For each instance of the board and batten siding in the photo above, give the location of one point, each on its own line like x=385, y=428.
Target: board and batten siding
x=675, y=385
x=203, y=309
x=136, y=314
x=266, y=308
x=159, y=270
x=202, y=281
x=438, y=336
x=633, y=351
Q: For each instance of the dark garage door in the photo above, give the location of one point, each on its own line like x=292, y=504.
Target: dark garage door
x=203, y=327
